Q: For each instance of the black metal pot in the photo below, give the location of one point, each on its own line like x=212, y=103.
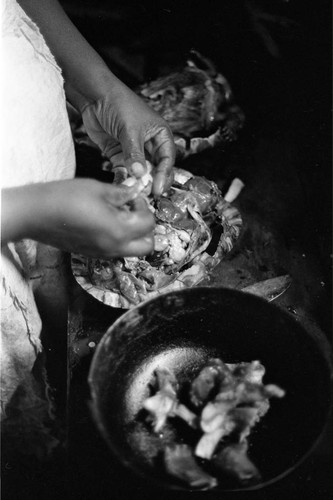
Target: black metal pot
x=182, y=330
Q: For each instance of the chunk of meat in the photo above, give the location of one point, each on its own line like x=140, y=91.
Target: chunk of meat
x=244, y=418
x=229, y=400
x=167, y=211
x=249, y=372
x=210, y=378
x=180, y=462
x=164, y=403
x=234, y=461
x=204, y=191
x=236, y=408
x=208, y=442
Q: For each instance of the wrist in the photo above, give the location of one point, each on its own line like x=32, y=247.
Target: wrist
x=22, y=211
x=105, y=83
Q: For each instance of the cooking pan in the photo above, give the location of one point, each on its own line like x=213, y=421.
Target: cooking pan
x=181, y=330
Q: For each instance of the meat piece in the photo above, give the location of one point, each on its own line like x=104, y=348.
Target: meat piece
x=217, y=422
x=244, y=418
x=161, y=242
x=234, y=461
x=238, y=405
x=154, y=279
x=248, y=372
x=194, y=100
x=230, y=399
x=180, y=462
x=187, y=415
x=215, y=415
x=176, y=250
x=211, y=377
x=208, y=442
x=205, y=192
x=274, y=390
x=167, y=211
x=164, y=403
x=250, y=394
x=102, y=274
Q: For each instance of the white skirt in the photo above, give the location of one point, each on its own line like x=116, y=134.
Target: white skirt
x=37, y=147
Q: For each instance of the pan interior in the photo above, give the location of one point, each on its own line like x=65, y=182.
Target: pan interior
x=181, y=331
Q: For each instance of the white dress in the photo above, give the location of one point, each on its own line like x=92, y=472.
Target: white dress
x=37, y=147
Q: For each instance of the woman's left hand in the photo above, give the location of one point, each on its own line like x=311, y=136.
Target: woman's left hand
x=116, y=119
x=121, y=122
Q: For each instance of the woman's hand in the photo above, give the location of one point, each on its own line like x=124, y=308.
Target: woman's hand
x=122, y=122
x=115, y=117
x=81, y=215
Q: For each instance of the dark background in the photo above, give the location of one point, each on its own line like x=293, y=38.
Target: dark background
x=275, y=53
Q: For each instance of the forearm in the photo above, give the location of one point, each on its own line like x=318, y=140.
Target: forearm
x=20, y=213
x=79, y=215
x=86, y=75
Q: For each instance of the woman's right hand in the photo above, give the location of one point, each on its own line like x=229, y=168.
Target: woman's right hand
x=81, y=215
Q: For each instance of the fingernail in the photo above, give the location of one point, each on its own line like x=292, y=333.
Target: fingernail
x=137, y=169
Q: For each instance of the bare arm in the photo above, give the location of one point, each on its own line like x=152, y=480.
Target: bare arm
x=115, y=118
x=80, y=215
x=87, y=77
x=17, y=214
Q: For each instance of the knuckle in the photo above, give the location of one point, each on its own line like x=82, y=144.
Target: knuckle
x=133, y=155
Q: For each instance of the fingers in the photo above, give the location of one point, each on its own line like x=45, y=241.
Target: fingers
x=136, y=223
x=163, y=178
x=135, y=234
x=120, y=174
x=164, y=155
x=133, y=150
x=133, y=221
x=119, y=195
x=140, y=203
x=139, y=247
x=112, y=149
x=127, y=233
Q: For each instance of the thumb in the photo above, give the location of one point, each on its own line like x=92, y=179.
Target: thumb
x=119, y=195
x=133, y=151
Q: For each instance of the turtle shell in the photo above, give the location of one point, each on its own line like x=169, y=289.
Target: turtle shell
x=125, y=282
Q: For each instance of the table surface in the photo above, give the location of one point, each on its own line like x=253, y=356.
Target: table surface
x=274, y=241
x=270, y=244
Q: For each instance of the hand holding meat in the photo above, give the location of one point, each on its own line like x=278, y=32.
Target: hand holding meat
x=80, y=215
x=182, y=233
x=115, y=118
x=120, y=122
